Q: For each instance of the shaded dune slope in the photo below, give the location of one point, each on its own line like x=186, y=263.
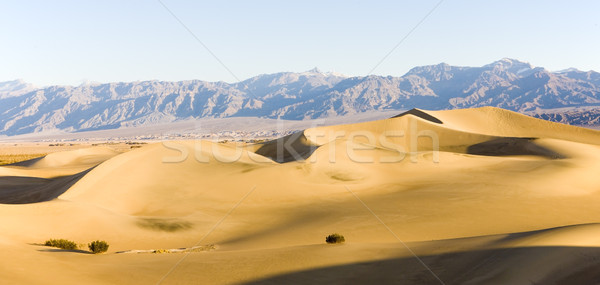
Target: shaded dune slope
x=45, y=178
x=289, y=148
x=512, y=146
x=25, y=190
x=550, y=256
x=26, y=163
x=484, y=266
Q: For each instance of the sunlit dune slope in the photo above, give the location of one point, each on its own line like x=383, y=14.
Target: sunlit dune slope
x=500, y=122
x=389, y=163
x=484, y=196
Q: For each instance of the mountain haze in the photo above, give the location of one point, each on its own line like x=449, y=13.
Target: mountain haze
x=507, y=83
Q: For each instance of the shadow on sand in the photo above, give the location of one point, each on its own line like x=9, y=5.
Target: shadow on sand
x=27, y=190
x=526, y=265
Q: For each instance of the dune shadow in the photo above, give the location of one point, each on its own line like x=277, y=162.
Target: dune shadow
x=164, y=225
x=420, y=114
x=468, y=267
x=65, y=250
x=27, y=190
x=292, y=147
x=26, y=163
x=512, y=146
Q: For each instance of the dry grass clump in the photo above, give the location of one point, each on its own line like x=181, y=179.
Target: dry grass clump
x=98, y=246
x=61, y=243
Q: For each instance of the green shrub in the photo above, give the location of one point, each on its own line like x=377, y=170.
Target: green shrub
x=98, y=246
x=61, y=243
x=335, y=238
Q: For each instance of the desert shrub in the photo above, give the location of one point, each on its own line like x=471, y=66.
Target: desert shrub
x=61, y=243
x=98, y=246
x=335, y=238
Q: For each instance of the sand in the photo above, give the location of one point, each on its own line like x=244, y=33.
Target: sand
x=480, y=196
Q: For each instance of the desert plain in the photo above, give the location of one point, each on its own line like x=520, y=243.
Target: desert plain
x=473, y=196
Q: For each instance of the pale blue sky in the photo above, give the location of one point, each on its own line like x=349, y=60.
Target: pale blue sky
x=67, y=42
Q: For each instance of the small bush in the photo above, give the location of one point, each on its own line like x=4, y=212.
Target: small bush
x=335, y=238
x=61, y=243
x=98, y=246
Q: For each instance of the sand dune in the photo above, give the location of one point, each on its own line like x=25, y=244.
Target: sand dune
x=59, y=163
x=499, y=122
x=45, y=178
x=483, y=196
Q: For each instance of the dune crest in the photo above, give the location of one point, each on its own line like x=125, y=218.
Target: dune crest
x=420, y=114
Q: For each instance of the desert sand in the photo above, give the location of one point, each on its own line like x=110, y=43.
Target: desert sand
x=474, y=196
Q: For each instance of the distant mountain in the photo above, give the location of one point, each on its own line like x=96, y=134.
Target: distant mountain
x=507, y=83
x=14, y=88
x=573, y=116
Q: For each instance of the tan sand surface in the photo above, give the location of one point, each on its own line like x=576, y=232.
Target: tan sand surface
x=487, y=196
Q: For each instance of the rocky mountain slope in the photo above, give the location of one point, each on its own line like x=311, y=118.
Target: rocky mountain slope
x=507, y=83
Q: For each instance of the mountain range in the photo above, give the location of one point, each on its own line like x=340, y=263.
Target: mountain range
x=569, y=96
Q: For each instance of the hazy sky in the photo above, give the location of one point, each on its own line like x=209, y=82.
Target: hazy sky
x=68, y=42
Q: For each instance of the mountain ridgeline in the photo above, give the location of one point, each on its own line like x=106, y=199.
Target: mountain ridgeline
x=569, y=96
